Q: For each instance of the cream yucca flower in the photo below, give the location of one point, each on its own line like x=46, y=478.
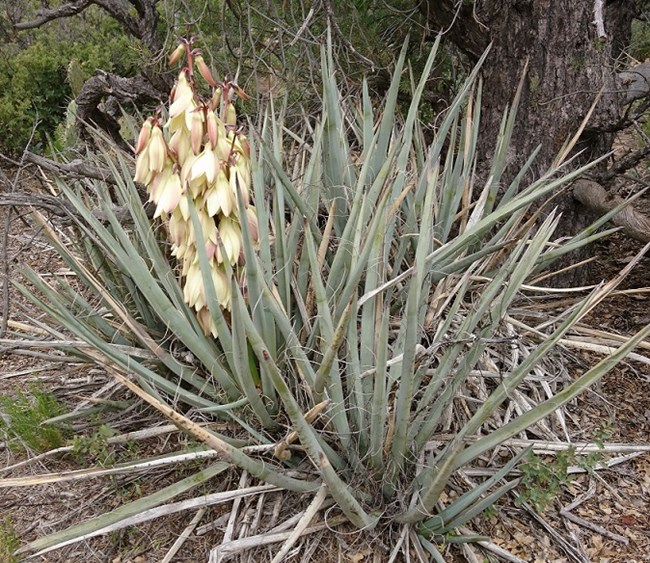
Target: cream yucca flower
x=198, y=160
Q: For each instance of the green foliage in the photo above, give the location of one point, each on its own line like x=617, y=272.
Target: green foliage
x=23, y=417
x=543, y=479
x=95, y=448
x=640, y=42
x=9, y=541
x=34, y=69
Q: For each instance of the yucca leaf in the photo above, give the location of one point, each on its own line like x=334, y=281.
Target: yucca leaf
x=94, y=526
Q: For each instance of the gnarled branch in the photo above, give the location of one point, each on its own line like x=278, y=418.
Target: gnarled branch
x=49, y=14
x=142, y=27
x=137, y=90
x=594, y=197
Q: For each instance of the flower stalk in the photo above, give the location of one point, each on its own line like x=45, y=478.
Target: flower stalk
x=199, y=158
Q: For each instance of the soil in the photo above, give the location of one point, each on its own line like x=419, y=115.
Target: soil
x=614, y=517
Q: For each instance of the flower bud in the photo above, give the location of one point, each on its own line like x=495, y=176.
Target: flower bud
x=215, y=102
x=204, y=71
x=196, y=132
x=176, y=55
x=144, y=136
x=231, y=115
x=157, y=150
x=212, y=127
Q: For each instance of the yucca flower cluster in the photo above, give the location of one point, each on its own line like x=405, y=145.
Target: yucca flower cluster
x=199, y=158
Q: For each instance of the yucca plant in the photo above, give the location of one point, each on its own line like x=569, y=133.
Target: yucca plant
x=375, y=320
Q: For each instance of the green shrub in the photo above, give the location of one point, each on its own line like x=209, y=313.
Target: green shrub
x=9, y=541
x=23, y=415
x=34, y=86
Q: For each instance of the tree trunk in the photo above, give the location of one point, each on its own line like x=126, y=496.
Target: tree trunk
x=569, y=62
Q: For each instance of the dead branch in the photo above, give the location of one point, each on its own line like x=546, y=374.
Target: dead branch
x=46, y=15
x=61, y=208
x=75, y=168
x=143, y=27
x=139, y=18
x=624, y=164
x=137, y=90
x=594, y=197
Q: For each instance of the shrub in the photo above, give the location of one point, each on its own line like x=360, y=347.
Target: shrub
x=24, y=415
x=34, y=86
x=381, y=292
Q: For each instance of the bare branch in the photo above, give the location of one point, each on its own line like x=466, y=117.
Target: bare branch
x=594, y=197
x=47, y=15
x=75, y=168
x=143, y=27
x=458, y=21
x=625, y=163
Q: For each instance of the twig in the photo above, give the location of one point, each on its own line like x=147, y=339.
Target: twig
x=594, y=527
x=121, y=439
x=5, y=240
x=230, y=527
x=499, y=551
x=184, y=535
x=590, y=492
x=302, y=525
x=219, y=553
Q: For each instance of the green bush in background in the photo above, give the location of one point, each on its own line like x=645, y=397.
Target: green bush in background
x=34, y=86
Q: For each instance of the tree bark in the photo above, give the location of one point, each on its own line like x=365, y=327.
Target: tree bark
x=569, y=63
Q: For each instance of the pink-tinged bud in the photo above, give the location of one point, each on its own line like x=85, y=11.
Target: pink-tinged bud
x=253, y=225
x=204, y=71
x=215, y=102
x=196, y=132
x=144, y=136
x=207, y=324
x=176, y=55
x=243, y=95
x=230, y=117
x=212, y=126
x=210, y=249
x=157, y=150
x=244, y=145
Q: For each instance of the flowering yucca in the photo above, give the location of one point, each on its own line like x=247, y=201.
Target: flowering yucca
x=199, y=158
